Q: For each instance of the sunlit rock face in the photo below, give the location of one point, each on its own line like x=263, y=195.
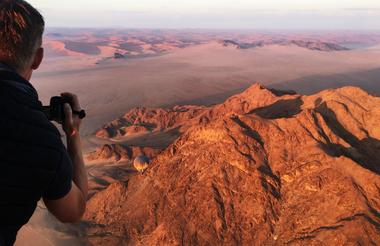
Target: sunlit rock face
x=263, y=168
x=119, y=153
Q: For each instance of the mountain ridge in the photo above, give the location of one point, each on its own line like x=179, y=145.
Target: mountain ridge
x=314, y=45
x=265, y=167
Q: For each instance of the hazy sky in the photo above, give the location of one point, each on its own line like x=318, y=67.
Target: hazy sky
x=253, y=14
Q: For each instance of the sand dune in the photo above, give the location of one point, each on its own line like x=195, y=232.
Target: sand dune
x=207, y=73
x=368, y=80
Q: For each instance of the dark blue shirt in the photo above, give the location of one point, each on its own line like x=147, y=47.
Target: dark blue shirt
x=34, y=162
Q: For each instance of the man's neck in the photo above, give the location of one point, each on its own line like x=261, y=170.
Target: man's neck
x=25, y=74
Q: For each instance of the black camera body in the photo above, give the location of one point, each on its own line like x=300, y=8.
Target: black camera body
x=56, y=112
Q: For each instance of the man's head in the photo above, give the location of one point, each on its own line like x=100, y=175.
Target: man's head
x=21, y=30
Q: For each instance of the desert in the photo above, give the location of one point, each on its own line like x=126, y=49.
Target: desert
x=223, y=117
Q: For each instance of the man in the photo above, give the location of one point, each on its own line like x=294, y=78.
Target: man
x=34, y=163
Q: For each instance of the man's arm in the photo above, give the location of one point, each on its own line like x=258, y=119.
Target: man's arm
x=71, y=207
x=79, y=173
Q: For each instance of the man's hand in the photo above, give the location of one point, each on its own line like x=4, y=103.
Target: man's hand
x=71, y=207
x=72, y=121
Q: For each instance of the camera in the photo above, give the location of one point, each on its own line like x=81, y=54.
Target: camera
x=55, y=111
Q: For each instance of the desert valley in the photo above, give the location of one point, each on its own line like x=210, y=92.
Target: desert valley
x=253, y=136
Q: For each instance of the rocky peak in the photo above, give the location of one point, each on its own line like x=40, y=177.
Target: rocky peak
x=266, y=169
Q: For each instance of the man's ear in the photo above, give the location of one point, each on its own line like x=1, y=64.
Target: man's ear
x=38, y=58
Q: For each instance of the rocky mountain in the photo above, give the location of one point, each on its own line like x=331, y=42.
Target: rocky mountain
x=311, y=45
x=147, y=120
x=141, y=121
x=117, y=152
x=264, y=168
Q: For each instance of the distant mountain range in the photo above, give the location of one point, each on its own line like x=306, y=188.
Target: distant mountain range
x=311, y=45
x=137, y=43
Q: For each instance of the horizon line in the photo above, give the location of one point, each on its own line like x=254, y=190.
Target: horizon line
x=213, y=28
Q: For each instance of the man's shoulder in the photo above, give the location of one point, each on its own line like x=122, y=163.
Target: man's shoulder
x=28, y=123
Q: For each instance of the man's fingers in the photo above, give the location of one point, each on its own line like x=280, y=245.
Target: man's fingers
x=68, y=94
x=68, y=114
x=74, y=100
x=71, y=96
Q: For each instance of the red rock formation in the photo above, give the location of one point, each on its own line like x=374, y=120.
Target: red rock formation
x=115, y=153
x=147, y=120
x=144, y=120
x=103, y=203
x=264, y=169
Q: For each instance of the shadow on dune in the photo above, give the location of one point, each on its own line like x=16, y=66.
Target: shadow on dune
x=368, y=80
